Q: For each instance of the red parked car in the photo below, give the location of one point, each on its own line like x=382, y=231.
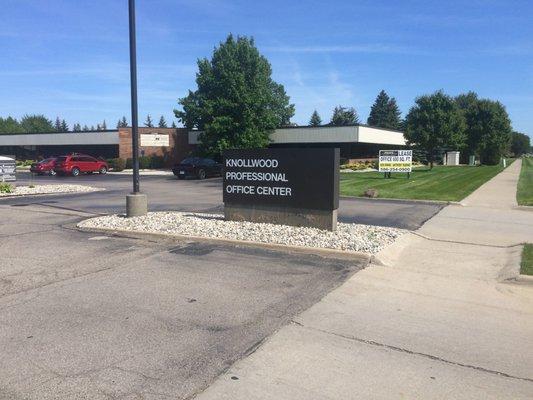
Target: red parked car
x=76, y=164
x=45, y=166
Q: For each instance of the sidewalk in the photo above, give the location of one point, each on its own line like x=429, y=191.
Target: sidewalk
x=439, y=320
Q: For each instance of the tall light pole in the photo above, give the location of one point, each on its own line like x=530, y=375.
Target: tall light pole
x=136, y=202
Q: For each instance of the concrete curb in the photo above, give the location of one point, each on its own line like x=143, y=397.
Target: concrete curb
x=523, y=208
x=326, y=253
x=521, y=279
x=23, y=196
x=148, y=172
x=422, y=201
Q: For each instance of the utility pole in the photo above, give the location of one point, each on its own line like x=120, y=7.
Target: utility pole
x=136, y=202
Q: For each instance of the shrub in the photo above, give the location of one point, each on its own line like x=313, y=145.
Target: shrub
x=5, y=188
x=24, y=163
x=117, y=164
x=360, y=165
x=145, y=162
x=157, y=162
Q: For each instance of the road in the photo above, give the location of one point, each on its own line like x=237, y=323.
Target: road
x=168, y=193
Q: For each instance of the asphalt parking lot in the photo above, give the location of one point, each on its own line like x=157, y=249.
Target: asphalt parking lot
x=88, y=316
x=168, y=193
x=85, y=316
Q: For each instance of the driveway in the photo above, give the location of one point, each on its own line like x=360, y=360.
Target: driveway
x=168, y=193
x=84, y=316
x=87, y=316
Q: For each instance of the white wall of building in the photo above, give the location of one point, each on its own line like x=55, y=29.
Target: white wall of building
x=322, y=134
x=59, y=139
x=380, y=136
x=329, y=134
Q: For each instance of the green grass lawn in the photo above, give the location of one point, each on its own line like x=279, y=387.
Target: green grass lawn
x=526, y=267
x=524, y=194
x=441, y=183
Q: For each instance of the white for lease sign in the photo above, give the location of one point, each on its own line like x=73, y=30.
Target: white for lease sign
x=8, y=169
x=154, y=140
x=395, y=160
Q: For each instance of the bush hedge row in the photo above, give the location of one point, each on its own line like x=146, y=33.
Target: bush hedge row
x=145, y=162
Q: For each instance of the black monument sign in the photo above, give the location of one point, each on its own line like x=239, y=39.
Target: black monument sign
x=290, y=186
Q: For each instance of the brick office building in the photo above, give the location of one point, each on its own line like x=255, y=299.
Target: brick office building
x=104, y=144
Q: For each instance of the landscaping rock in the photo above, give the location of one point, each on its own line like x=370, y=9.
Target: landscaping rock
x=372, y=193
x=50, y=189
x=348, y=237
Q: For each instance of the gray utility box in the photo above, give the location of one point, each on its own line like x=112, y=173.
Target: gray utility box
x=452, y=157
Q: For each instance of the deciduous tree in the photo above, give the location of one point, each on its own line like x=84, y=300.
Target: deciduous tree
x=488, y=127
x=36, y=124
x=236, y=103
x=10, y=125
x=520, y=143
x=434, y=122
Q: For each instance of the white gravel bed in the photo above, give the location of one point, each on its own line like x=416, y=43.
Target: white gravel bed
x=348, y=237
x=50, y=189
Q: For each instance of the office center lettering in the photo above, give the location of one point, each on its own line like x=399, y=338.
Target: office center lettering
x=255, y=176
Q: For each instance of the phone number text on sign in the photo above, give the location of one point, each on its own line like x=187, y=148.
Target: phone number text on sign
x=395, y=160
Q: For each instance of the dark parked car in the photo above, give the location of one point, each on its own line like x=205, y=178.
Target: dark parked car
x=45, y=166
x=76, y=164
x=196, y=167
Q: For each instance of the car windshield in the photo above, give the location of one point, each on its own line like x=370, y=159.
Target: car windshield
x=46, y=160
x=191, y=161
x=61, y=159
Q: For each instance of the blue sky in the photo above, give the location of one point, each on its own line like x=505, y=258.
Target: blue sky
x=70, y=58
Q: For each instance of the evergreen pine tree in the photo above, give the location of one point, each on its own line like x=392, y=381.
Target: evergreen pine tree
x=315, y=119
x=57, y=125
x=344, y=116
x=64, y=126
x=124, y=122
x=85, y=128
x=162, y=122
x=148, y=123
x=174, y=125
x=384, y=113
x=76, y=127
x=103, y=126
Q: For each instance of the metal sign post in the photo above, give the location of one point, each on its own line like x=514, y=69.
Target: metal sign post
x=136, y=202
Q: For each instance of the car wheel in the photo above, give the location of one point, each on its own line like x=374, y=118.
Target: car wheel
x=75, y=171
x=53, y=173
x=102, y=171
x=201, y=174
